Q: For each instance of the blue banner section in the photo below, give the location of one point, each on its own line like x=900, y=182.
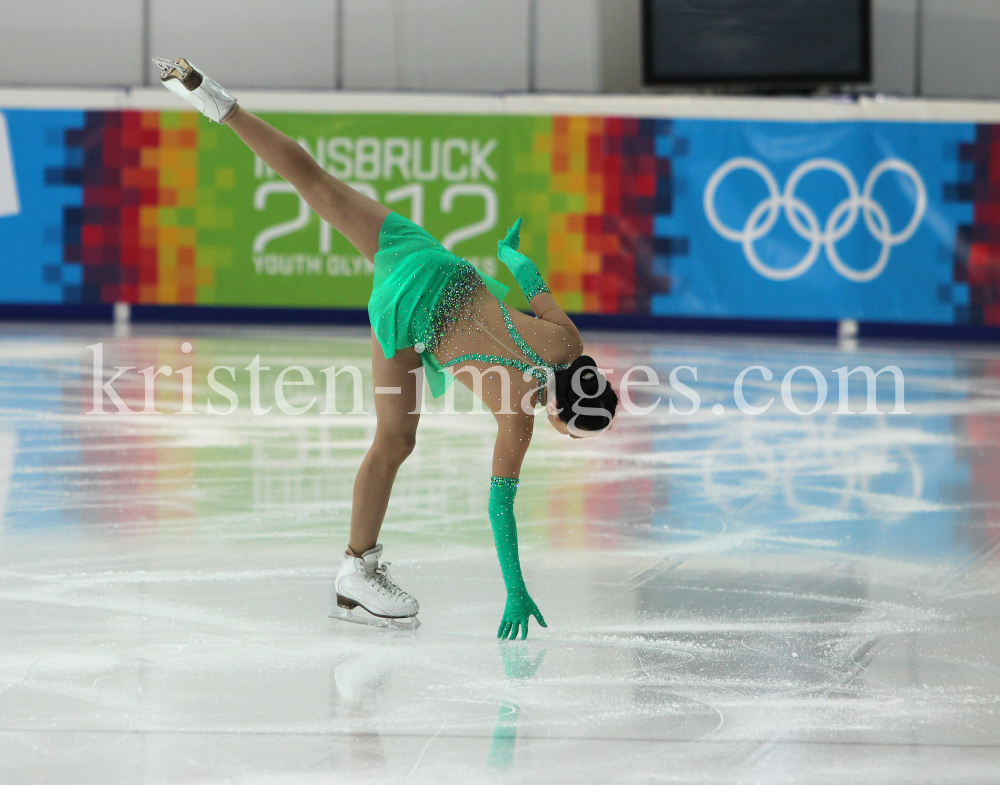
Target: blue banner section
x=32, y=211
x=791, y=220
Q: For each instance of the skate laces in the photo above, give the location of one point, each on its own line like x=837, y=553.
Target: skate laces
x=381, y=577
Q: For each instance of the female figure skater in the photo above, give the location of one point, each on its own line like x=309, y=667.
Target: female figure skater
x=429, y=308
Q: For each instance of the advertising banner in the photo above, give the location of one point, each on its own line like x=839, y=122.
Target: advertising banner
x=816, y=221
x=875, y=221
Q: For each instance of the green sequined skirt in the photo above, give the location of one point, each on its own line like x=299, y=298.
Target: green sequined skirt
x=419, y=289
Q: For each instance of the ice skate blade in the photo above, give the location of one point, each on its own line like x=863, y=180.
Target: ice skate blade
x=406, y=624
x=181, y=70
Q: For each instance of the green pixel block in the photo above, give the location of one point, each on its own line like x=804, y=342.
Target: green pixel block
x=204, y=295
x=205, y=217
x=225, y=178
x=572, y=302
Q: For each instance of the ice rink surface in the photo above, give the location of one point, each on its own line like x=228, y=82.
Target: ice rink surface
x=730, y=598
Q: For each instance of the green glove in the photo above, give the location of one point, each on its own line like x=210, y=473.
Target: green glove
x=524, y=270
x=519, y=606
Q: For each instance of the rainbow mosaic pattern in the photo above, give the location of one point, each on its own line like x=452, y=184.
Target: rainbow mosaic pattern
x=135, y=233
x=139, y=233
x=977, y=245
x=608, y=185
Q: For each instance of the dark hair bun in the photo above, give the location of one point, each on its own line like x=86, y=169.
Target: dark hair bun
x=584, y=396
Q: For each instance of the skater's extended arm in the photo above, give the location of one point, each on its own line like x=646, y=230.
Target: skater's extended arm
x=519, y=607
x=512, y=443
x=533, y=285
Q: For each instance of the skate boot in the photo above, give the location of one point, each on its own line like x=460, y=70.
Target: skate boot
x=364, y=583
x=204, y=94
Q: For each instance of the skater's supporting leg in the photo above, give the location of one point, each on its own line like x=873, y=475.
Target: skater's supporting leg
x=354, y=215
x=396, y=431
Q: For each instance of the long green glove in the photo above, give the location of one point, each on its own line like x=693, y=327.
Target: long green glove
x=525, y=272
x=520, y=606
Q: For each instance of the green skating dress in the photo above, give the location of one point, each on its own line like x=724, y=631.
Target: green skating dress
x=419, y=288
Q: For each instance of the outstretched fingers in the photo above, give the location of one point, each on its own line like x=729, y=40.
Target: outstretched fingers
x=509, y=628
x=513, y=238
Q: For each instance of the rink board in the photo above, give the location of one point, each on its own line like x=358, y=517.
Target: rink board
x=728, y=218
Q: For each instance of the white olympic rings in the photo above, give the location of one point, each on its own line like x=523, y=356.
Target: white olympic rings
x=805, y=222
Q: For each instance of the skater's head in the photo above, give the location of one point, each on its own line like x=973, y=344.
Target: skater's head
x=584, y=403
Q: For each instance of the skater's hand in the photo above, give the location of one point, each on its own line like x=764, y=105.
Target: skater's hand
x=519, y=608
x=511, y=241
x=525, y=272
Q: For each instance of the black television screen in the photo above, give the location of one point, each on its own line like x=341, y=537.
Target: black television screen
x=775, y=41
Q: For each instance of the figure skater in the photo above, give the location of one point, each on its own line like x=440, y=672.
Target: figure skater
x=430, y=308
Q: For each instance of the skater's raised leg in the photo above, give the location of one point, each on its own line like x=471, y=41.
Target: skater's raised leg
x=354, y=215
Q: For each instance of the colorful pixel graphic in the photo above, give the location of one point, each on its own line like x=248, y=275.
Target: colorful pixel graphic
x=165, y=208
x=134, y=234
x=977, y=245
x=608, y=185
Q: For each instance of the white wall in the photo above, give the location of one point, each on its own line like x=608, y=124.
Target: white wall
x=894, y=46
x=961, y=48
x=46, y=42
x=459, y=45
x=435, y=44
x=252, y=43
x=568, y=46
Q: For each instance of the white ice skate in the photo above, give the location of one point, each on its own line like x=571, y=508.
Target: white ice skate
x=364, y=583
x=204, y=94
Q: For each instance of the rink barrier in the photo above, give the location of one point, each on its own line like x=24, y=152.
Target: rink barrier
x=165, y=314
x=644, y=212
x=68, y=312
x=290, y=316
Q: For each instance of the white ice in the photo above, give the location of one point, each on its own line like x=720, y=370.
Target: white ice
x=730, y=599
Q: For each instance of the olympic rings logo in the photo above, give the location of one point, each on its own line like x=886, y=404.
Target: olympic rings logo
x=806, y=223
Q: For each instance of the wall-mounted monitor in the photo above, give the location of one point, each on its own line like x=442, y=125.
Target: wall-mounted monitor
x=764, y=42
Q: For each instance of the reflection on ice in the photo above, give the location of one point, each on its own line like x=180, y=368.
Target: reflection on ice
x=519, y=667
x=730, y=598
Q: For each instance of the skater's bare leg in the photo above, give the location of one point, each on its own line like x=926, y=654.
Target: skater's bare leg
x=360, y=220
x=395, y=434
x=354, y=215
